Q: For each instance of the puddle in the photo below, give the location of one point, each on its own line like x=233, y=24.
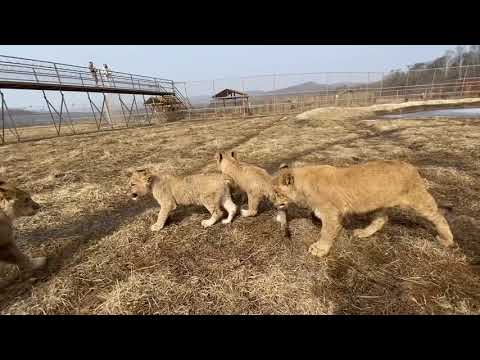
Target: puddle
x=449, y=113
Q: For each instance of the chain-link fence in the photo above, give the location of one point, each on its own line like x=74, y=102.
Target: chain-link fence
x=292, y=93
x=55, y=113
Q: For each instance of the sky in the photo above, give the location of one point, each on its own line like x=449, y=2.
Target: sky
x=202, y=62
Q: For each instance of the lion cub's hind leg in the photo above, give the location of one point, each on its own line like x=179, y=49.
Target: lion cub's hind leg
x=230, y=206
x=425, y=205
x=377, y=224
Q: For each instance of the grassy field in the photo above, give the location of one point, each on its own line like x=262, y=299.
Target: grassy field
x=103, y=259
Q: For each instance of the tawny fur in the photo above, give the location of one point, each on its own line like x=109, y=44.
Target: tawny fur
x=15, y=203
x=333, y=192
x=209, y=190
x=254, y=181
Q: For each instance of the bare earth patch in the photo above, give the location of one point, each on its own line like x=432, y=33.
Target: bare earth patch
x=103, y=259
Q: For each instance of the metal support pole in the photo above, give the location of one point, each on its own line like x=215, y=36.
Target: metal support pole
x=135, y=102
x=5, y=110
x=107, y=108
x=93, y=110
x=149, y=119
x=51, y=114
x=68, y=113
x=123, y=111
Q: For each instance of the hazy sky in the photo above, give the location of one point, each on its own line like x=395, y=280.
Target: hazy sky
x=199, y=62
x=208, y=62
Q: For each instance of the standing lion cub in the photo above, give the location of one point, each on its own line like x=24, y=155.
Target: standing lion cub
x=254, y=180
x=209, y=190
x=13, y=204
x=333, y=192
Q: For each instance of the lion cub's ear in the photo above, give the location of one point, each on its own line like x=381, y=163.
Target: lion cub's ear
x=233, y=154
x=287, y=179
x=218, y=156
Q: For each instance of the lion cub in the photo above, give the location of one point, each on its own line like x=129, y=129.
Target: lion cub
x=13, y=204
x=209, y=190
x=254, y=180
x=333, y=192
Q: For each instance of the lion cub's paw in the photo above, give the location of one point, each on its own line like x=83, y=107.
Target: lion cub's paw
x=318, y=249
x=247, y=212
x=226, y=221
x=206, y=223
x=446, y=242
x=361, y=233
x=156, y=227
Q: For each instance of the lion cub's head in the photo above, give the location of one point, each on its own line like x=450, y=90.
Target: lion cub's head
x=283, y=184
x=225, y=159
x=16, y=202
x=140, y=183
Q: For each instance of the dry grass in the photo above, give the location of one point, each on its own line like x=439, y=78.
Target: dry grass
x=103, y=259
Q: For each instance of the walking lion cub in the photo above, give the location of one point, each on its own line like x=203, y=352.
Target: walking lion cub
x=209, y=190
x=333, y=192
x=13, y=204
x=252, y=179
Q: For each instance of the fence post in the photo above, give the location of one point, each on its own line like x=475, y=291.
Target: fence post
x=433, y=83
x=368, y=88
x=326, y=82
x=214, y=101
x=3, y=120
x=381, y=86
x=463, y=83
x=274, y=97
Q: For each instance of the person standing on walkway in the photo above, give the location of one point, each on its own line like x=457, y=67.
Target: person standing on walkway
x=93, y=70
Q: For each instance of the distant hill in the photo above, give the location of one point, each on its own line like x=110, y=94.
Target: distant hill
x=448, y=63
x=309, y=86
x=23, y=112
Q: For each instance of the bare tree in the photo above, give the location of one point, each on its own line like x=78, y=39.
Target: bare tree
x=449, y=58
x=460, y=50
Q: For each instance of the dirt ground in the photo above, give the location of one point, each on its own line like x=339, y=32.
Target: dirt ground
x=103, y=259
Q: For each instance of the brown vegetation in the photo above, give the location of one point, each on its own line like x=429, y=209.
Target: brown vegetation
x=104, y=259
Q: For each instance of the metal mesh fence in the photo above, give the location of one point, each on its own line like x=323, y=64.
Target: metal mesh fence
x=288, y=93
x=267, y=94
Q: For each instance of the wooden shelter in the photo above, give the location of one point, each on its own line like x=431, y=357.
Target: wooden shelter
x=164, y=103
x=229, y=95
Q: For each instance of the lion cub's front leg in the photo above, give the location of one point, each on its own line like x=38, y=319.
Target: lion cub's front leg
x=331, y=225
x=162, y=216
x=253, y=202
x=216, y=213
